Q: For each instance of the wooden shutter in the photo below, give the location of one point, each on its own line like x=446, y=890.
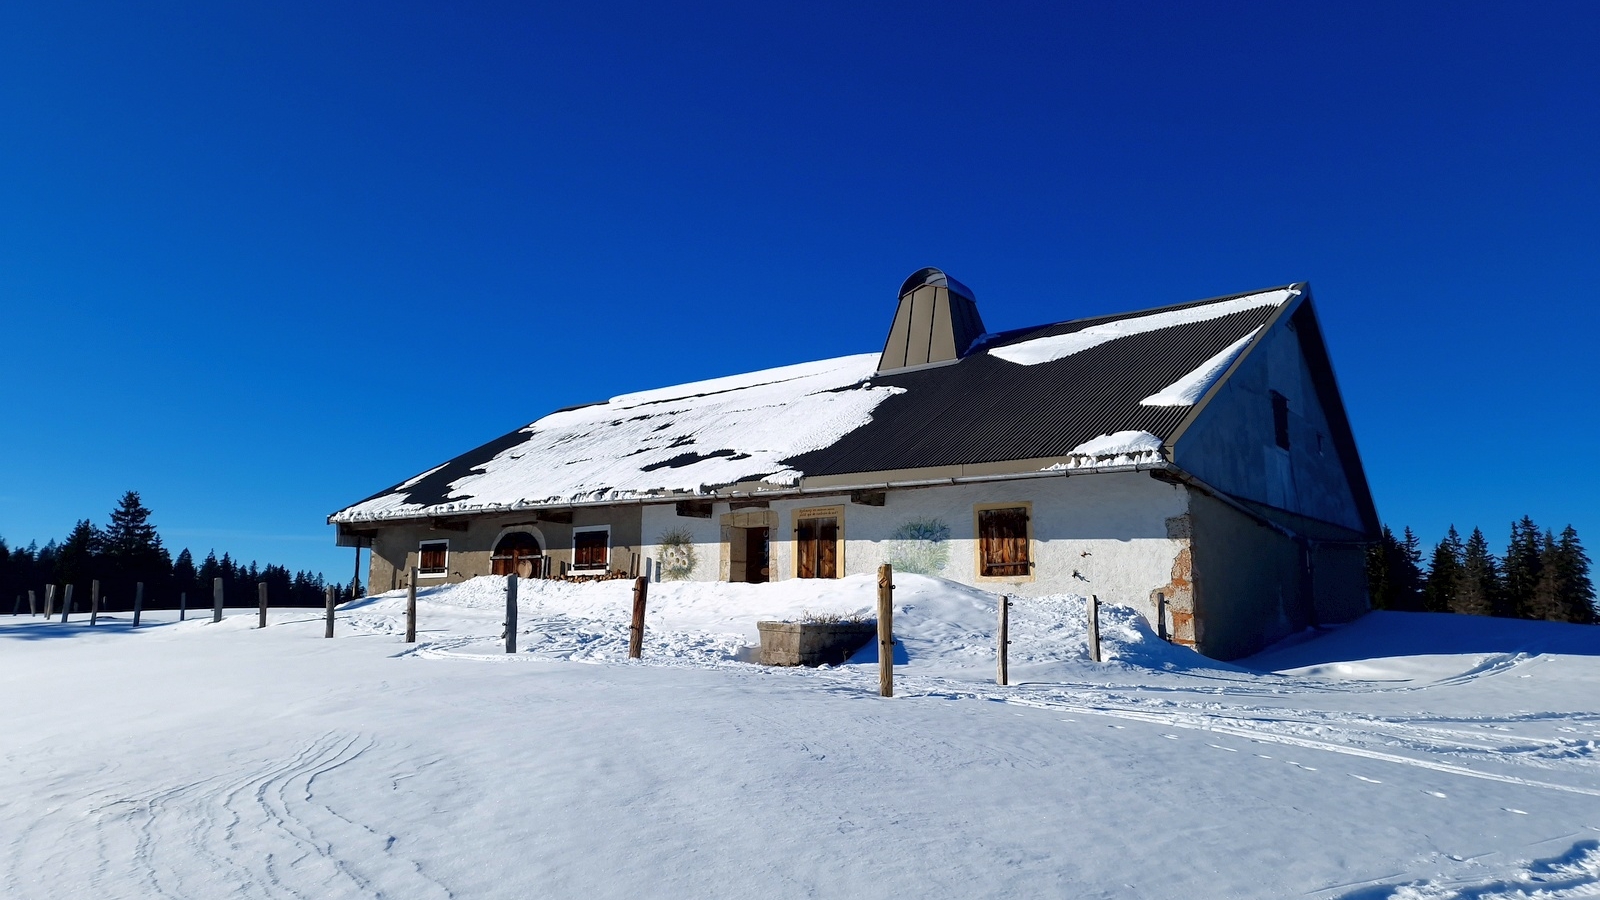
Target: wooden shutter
x=827, y=548
x=589, y=549
x=1003, y=541
x=431, y=557
x=806, y=548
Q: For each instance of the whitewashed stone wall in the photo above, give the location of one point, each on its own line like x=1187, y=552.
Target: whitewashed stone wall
x=1117, y=536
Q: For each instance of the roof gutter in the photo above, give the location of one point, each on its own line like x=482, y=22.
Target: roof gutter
x=799, y=491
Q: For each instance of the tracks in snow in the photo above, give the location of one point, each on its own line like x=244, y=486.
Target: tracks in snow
x=259, y=830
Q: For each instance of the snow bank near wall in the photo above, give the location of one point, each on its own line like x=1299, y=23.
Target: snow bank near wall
x=943, y=628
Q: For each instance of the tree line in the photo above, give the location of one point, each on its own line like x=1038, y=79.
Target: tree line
x=1540, y=576
x=129, y=551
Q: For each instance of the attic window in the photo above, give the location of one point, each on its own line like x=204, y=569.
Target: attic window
x=433, y=558
x=591, y=547
x=1280, y=419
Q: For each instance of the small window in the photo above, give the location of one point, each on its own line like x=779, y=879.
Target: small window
x=433, y=558
x=1280, y=419
x=1003, y=549
x=591, y=548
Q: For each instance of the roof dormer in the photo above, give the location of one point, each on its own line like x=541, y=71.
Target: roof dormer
x=936, y=322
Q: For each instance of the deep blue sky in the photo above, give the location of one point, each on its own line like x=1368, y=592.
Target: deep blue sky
x=258, y=261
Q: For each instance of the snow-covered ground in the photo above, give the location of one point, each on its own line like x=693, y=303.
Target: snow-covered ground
x=1404, y=756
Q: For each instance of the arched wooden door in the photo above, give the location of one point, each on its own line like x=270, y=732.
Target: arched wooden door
x=517, y=554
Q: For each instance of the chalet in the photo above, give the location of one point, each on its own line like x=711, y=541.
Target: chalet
x=1191, y=461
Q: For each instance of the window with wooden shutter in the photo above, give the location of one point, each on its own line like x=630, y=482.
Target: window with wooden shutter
x=816, y=543
x=433, y=558
x=1003, y=546
x=591, y=549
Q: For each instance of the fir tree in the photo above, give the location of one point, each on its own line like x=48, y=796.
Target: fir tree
x=133, y=551
x=78, y=559
x=1394, y=573
x=1523, y=566
x=1408, y=582
x=1379, y=578
x=1443, y=574
x=1546, y=601
x=1572, y=577
x=185, y=579
x=1478, y=589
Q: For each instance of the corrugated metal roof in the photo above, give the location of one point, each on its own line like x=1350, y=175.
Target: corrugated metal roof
x=983, y=408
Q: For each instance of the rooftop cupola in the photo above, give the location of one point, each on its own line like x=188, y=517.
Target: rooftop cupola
x=936, y=323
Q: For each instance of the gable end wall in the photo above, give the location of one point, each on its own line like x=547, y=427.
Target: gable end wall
x=1232, y=445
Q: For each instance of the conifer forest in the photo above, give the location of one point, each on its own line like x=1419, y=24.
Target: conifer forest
x=1541, y=575
x=128, y=552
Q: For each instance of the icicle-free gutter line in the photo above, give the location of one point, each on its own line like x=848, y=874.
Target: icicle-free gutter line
x=778, y=493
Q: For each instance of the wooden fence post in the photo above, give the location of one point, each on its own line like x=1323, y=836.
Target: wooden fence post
x=261, y=595
x=1094, y=629
x=183, y=606
x=138, y=602
x=641, y=587
x=33, y=604
x=411, y=609
x=94, y=601
x=66, y=604
x=16, y=608
x=216, y=600
x=511, y=613
x=49, y=601
x=328, y=632
x=886, y=630
x=1002, y=677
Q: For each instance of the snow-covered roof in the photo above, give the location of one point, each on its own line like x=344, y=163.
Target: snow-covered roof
x=1085, y=394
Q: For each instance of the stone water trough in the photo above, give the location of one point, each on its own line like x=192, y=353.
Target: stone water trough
x=812, y=643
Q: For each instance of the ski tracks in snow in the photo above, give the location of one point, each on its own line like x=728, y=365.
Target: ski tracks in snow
x=257, y=831
x=1571, y=875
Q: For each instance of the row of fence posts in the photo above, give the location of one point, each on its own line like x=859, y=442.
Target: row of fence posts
x=66, y=602
x=138, y=603
x=641, y=587
x=1003, y=634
